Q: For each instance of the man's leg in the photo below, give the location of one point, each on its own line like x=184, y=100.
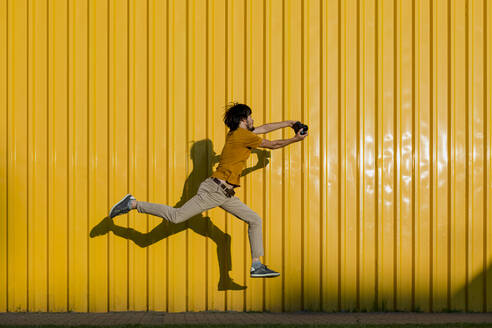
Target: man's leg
x=243, y=212
x=234, y=206
x=206, y=198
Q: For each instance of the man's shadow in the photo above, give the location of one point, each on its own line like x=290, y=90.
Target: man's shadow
x=203, y=158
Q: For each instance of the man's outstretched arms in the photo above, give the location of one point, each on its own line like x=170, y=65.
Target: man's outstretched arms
x=275, y=144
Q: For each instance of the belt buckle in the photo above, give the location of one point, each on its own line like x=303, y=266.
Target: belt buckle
x=229, y=192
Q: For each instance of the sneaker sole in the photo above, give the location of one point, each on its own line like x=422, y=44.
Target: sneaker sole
x=267, y=275
x=112, y=208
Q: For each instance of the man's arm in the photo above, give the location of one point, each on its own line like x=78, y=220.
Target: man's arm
x=275, y=144
x=269, y=127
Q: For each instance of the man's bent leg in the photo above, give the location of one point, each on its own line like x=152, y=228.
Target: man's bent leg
x=234, y=206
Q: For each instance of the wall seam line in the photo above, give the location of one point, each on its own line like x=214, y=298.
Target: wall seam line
x=485, y=194
x=431, y=151
x=27, y=154
x=7, y=160
x=449, y=159
x=376, y=152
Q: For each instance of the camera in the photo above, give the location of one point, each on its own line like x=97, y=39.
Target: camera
x=299, y=126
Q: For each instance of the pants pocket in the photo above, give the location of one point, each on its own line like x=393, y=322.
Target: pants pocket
x=207, y=186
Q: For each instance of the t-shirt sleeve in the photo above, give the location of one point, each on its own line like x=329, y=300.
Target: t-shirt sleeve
x=251, y=140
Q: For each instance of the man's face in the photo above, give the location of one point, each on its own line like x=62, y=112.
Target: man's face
x=249, y=123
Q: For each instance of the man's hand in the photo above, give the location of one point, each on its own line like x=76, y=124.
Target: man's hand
x=291, y=123
x=300, y=136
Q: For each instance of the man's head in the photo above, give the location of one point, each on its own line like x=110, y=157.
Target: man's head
x=238, y=115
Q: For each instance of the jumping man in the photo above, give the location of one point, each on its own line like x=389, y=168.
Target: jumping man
x=218, y=189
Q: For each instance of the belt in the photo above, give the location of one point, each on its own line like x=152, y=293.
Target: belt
x=228, y=191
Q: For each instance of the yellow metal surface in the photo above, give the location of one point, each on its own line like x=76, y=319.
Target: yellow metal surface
x=385, y=206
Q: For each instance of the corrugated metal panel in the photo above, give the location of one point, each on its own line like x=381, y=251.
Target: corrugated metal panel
x=384, y=206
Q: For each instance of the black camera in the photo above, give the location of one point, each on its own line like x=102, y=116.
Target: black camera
x=299, y=126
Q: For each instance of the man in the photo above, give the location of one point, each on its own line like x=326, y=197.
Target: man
x=218, y=189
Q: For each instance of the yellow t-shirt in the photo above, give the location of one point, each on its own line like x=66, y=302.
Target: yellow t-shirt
x=236, y=151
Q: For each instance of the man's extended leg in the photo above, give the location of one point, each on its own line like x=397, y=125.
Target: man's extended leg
x=206, y=198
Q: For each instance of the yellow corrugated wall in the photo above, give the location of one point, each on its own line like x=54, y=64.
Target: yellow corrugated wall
x=387, y=205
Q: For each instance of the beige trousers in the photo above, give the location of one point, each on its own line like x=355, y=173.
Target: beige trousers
x=211, y=195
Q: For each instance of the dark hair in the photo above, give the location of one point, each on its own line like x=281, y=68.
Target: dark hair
x=236, y=112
